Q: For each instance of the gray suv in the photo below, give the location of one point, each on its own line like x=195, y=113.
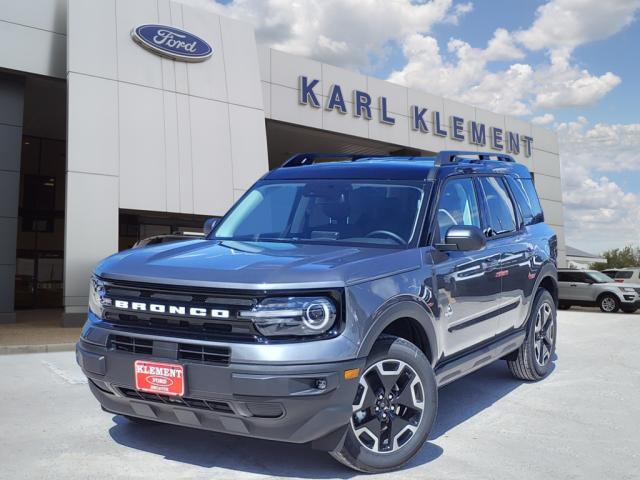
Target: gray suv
x=330, y=304
x=594, y=288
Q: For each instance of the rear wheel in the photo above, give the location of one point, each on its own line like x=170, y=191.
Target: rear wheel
x=394, y=408
x=564, y=306
x=533, y=359
x=609, y=303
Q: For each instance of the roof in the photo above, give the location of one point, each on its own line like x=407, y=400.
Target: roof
x=575, y=252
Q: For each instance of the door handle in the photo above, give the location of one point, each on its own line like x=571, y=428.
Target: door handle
x=573, y=285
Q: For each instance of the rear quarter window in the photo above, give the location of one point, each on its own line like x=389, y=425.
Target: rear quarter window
x=526, y=197
x=624, y=275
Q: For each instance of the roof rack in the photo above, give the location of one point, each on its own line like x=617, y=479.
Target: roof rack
x=454, y=156
x=302, y=159
x=443, y=158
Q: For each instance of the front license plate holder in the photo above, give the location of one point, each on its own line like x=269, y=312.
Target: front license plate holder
x=160, y=378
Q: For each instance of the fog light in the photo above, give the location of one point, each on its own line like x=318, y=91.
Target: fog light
x=321, y=384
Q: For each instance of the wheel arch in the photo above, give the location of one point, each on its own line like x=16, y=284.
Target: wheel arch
x=548, y=280
x=406, y=319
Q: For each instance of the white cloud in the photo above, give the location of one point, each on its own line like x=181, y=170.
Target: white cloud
x=467, y=78
x=521, y=88
x=562, y=24
x=562, y=85
x=599, y=213
x=603, y=147
x=350, y=34
x=545, y=119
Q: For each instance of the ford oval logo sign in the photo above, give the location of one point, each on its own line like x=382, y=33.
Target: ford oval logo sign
x=172, y=43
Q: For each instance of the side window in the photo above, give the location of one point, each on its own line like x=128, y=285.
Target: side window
x=502, y=217
x=458, y=205
x=527, y=200
x=563, y=277
x=625, y=275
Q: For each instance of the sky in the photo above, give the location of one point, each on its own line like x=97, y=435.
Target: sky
x=569, y=65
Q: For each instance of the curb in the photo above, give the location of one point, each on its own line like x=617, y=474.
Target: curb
x=55, y=347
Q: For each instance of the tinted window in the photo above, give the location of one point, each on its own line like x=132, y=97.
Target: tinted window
x=527, y=200
x=624, y=274
x=572, y=277
x=458, y=205
x=502, y=217
x=568, y=277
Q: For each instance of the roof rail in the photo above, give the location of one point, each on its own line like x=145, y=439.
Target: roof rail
x=301, y=159
x=453, y=156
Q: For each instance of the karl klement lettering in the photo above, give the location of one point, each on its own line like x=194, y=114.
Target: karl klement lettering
x=477, y=133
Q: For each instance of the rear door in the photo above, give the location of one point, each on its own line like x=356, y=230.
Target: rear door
x=506, y=234
x=578, y=286
x=565, y=290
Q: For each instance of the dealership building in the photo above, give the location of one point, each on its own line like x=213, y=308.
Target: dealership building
x=110, y=132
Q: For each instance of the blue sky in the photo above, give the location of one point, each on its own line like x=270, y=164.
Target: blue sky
x=569, y=65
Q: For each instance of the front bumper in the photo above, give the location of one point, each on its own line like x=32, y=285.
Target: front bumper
x=276, y=402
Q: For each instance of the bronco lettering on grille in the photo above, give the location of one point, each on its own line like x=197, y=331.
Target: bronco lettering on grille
x=171, y=309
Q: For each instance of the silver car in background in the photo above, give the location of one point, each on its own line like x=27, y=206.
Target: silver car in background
x=594, y=288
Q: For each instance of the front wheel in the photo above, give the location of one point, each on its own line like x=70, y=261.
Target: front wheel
x=394, y=408
x=609, y=303
x=533, y=359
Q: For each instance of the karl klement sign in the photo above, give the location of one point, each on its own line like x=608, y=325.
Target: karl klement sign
x=478, y=133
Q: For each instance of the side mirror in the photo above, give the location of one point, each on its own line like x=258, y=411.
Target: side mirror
x=209, y=224
x=463, y=238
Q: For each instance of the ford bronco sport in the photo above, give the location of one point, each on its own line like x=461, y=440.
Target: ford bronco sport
x=330, y=304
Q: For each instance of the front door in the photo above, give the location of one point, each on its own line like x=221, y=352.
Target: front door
x=468, y=288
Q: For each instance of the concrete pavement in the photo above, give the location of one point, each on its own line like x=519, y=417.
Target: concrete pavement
x=580, y=422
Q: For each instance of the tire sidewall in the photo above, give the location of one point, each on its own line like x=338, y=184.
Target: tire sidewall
x=615, y=300
x=542, y=297
x=368, y=461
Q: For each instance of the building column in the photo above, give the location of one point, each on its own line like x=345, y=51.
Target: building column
x=11, y=108
x=91, y=234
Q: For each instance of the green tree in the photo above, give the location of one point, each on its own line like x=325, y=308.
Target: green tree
x=619, y=258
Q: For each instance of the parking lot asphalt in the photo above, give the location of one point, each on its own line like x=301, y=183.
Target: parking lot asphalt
x=583, y=421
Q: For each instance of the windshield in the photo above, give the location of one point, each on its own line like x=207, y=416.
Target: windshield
x=326, y=211
x=600, y=277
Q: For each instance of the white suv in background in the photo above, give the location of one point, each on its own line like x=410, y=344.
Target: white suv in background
x=592, y=288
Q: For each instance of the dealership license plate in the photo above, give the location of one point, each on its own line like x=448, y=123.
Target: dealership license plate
x=160, y=378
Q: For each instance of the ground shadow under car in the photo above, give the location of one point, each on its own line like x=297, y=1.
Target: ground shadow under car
x=458, y=402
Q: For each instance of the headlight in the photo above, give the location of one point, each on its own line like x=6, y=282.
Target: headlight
x=96, y=297
x=627, y=289
x=297, y=316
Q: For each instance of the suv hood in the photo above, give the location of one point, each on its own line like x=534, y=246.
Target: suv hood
x=256, y=265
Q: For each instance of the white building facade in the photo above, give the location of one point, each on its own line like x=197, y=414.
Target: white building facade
x=103, y=141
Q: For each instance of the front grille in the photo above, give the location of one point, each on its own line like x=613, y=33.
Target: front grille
x=637, y=290
x=214, y=406
x=185, y=351
x=233, y=328
x=204, y=353
x=140, y=346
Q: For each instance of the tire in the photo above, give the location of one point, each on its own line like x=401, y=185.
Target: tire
x=629, y=309
x=608, y=303
x=534, y=358
x=564, y=306
x=381, y=445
